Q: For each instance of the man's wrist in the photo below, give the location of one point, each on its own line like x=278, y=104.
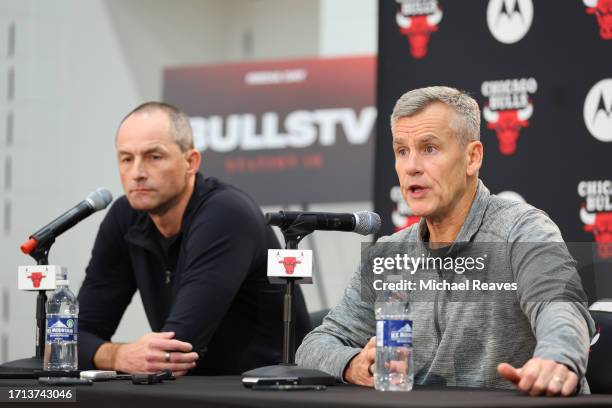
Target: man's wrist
x=344, y=379
x=114, y=354
x=106, y=356
x=347, y=367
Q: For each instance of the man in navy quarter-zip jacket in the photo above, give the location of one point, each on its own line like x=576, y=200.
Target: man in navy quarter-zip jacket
x=195, y=249
x=535, y=339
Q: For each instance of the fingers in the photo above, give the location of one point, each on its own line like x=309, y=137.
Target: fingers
x=370, y=361
x=531, y=371
x=170, y=345
x=370, y=349
x=178, y=367
x=179, y=373
x=154, y=352
x=508, y=372
x=569, y=387
x=545, y=377
x=366, y=369
x=175, y=368
x=164, y=335
x=370, y=355
x=176, y=357
x=371, y=343
x=557, y=379
x=358, y=370
x=541, y=377
x=397, y=367
x=156, y=361
x=368, y=381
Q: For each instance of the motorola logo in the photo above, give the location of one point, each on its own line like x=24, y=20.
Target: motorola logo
x=598, y=110
x=509, y=20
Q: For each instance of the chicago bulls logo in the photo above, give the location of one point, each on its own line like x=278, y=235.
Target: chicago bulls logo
x=603, y=11
x=596, y=213
x=289, y=262
x=36, y=278
x=600, y=224
x=417, y=19
x=508, y=109
x=402, y=216
x=507, y=124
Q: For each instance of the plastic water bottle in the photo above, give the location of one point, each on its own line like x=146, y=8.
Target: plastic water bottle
x=394, y=369
x=62, y=328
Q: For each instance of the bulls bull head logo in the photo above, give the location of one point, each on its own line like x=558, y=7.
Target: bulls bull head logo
x=507, y=124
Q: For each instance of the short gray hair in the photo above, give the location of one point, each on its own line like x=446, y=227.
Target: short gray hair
x=465, y=124
x=180, y=127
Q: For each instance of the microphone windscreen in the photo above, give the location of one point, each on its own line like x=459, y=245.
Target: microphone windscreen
x=367, y=222
x=100, y=198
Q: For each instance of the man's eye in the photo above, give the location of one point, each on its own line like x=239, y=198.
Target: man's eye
x=125, y=160
x=430, y=149
x=402, y=152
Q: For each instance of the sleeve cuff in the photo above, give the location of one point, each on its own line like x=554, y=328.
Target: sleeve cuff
x=343, y=361
x=88, y=345
x=559, y=358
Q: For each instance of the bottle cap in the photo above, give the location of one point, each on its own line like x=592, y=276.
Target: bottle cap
x=61, y=274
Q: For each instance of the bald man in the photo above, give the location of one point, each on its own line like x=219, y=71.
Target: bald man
x=196, y=250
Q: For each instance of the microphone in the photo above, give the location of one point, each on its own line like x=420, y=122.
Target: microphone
x=95, y=201
x=362, y=222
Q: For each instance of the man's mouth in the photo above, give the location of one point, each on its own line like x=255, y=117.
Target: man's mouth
x=417, y=190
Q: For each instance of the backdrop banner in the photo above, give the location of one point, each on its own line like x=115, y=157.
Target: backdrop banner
x=541, y=72
x=287, y=132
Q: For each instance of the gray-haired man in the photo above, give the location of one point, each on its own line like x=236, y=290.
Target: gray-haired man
x=540, y=347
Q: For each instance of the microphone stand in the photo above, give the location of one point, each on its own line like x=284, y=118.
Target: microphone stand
x=31, y=367
x=293, y=234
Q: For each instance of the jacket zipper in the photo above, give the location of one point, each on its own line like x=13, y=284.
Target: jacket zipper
x=436, y=318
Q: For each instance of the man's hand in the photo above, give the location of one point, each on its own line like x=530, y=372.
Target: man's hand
x=148, y=355
x=541, y=377
x=359, y=371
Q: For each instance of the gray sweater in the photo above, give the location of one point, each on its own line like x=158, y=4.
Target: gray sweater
x=460, y=343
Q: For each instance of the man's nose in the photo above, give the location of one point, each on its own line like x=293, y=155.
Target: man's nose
x=138, y=170
x=413, y=164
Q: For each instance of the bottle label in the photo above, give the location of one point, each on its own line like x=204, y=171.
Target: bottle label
x=394, y=333
x=62, y=328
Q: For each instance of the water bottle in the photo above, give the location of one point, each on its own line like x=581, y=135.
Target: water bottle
x=62, y=327
x=394, y=369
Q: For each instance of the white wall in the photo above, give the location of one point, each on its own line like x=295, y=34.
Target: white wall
x=80, y=65
x=348, y=27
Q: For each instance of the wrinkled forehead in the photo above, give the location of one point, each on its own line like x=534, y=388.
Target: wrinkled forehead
x=435, y=120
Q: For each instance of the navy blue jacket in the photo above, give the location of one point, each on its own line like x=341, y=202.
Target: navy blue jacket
x=209, y=286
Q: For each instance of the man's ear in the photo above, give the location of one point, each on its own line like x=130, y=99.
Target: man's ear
x=474, y=153
x=194, y=158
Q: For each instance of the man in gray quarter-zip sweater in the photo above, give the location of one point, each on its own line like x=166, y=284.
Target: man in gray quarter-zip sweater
x=536, y=340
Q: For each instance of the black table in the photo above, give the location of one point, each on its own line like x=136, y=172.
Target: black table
x=229, y=392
